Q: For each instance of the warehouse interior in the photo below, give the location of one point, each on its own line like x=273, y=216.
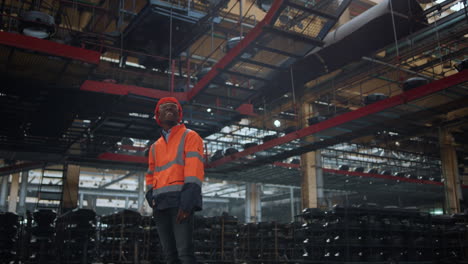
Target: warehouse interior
x=335, y=131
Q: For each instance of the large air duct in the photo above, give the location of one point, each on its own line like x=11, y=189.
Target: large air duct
x=366, y=33
x=363, y=35
x=37, y=24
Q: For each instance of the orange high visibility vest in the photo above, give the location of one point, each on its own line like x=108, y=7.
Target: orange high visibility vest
x=174, y=162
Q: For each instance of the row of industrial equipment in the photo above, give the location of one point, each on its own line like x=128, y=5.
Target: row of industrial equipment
x=342, y=234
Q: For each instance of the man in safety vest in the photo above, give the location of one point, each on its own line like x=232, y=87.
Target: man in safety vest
x=174, y=181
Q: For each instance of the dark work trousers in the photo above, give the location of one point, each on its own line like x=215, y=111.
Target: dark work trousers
x=176, y=239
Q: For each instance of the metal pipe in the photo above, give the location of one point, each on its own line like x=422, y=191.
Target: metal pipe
x=291, y=198
x=427, y=32
x=170, y=51
x=240, y=18
x=81, y=200
x=396, y=67
x=4, y=192
x=248, y=198
x=141, y=191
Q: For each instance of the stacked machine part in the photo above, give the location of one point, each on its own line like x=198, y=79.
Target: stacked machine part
x=450, y=238
x=370, y=234
x=121, y=236
x=76, y=236
x=151, y=250
x=268, y=242
x=40, y=237
x=9, y=230
x=215, y=238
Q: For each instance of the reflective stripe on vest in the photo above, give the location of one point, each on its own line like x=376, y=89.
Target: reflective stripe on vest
x=193, y=179
x=194, y=154
x=154, y=153
x=179, y=159
x=166, y=189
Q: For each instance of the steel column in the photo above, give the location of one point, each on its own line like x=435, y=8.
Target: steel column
x=81, y=200
x=253, y=205
x=291, y=198
x=13, y=197
x=70, y=187
x=4, y=192
x=312, y=180
x=452, y=186
x=23, y=192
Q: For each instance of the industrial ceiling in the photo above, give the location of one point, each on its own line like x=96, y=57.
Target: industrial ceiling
x=85, y=93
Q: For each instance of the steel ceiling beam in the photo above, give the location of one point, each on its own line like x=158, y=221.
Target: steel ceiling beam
x=117, y=180
x=237, y=50
x=402, y=98
x=5, y=171
x=124, y=89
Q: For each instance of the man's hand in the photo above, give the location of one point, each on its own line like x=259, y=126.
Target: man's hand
x=181, y=216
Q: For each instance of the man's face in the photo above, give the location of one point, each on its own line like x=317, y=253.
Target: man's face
x=168, y=114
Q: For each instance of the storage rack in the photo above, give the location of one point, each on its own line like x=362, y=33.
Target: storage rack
x=121, y=237
x=371, y=234
x=76, y=236
x=215, y=238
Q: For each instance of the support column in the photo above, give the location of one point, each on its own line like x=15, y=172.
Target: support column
x=23, y=192
x=141, y=192
x=14, y=188
x=311, y=169
x=70, y=188
x=91, y=200
x=80, y=204
x=4, y=192
x=450, y=171
x=253, y=205
x=291, y=198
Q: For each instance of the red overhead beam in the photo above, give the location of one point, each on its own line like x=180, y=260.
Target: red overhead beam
x=237, y=50
x=402, y=98
x=49, y=47
x=123, y=89
x=286, y=165
x=246, y=109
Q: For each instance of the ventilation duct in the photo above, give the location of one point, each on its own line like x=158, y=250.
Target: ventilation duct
x=221, y=78
x=414, y=82
x=37, y=24
x=231, y=43
x=265, y=5
x=363, y=35
x=375, y=97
